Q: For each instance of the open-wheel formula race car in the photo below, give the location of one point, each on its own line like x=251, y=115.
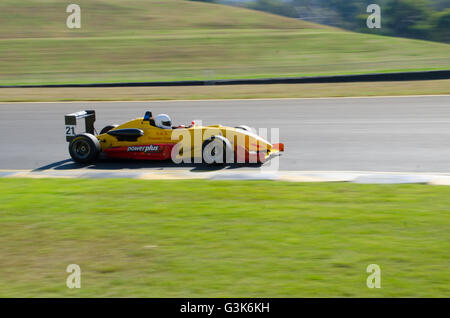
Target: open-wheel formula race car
x=149, y=138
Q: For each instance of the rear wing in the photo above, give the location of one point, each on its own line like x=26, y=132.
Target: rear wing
x=71, y=123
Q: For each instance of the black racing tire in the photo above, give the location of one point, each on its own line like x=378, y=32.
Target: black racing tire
x=107, y=128
x=217, y=142
x=84, y=148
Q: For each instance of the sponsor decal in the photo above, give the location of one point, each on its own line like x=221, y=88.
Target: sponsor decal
x=149, y=148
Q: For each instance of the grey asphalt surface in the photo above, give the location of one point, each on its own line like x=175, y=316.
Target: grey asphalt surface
x=399, y=134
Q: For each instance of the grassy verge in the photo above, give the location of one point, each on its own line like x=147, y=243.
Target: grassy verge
x=154, y=40
x=222, y=238
x=226, y=92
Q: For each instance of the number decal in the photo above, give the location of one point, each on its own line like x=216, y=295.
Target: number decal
x=70, y=130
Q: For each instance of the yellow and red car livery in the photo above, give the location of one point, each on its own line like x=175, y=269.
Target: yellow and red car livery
x=141, y=139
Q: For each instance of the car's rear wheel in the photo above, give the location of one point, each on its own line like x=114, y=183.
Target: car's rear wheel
x=84, y=148
x=107, y=128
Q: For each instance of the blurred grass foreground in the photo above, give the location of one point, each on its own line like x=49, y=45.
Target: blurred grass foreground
x=151, y=40
x=211, y=239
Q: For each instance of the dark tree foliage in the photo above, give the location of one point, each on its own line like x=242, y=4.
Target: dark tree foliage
x=273, y=6
x=408, y=18
x=441, y=26
x=423, y=19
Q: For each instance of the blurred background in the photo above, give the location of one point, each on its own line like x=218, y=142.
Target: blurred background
x=154, y=40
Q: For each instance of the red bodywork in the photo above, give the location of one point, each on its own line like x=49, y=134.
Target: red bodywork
x=163, y=152
x=132, y=152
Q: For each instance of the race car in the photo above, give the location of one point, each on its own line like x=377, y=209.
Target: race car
x=154, y=138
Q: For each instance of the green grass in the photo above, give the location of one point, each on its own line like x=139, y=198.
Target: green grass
x=184, y=40
x=222, y=238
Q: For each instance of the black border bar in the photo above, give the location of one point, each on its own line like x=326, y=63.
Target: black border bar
x=275, y=306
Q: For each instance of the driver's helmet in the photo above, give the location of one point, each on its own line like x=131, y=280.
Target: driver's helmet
x=163, y=121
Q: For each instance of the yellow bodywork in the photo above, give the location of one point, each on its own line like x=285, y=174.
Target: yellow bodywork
x=191, y=138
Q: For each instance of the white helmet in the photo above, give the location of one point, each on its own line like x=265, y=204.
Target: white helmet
x=163, y=121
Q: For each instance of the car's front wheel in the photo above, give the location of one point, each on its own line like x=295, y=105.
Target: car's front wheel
x=84, y=148
x=217, y=150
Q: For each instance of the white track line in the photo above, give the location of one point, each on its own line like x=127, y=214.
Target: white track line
x=226, y=99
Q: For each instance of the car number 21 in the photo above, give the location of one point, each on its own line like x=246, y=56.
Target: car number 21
x=70, y=130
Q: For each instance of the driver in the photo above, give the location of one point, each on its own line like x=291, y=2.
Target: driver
x=163, y=121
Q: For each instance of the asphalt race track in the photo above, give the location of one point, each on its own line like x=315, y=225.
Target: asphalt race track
x=399, y=134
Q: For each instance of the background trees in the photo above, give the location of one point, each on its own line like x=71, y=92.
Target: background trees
x=422, y=19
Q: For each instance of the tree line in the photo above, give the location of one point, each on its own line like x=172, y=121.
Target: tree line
x=420, y=19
